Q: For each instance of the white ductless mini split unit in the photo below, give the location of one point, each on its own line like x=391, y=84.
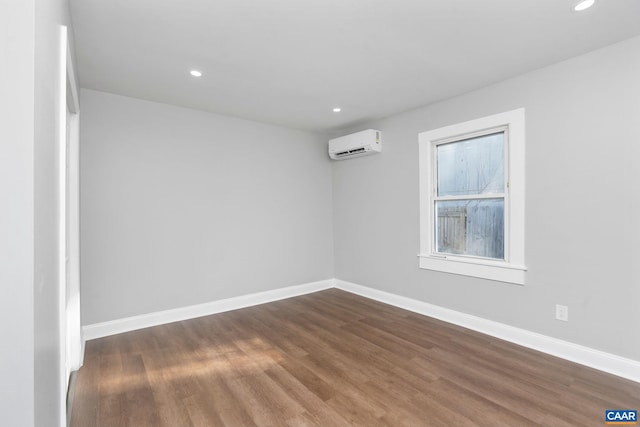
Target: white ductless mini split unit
x=355, y=145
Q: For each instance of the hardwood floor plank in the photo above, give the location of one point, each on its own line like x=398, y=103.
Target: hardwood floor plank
x=356, y=410
x=333, y=359
x=316, y=411
x=220, y=399
x=167, y=399
x=530, y=402
x=474, y=406
x=386, y=341
x=87, y=414
x=113, y=386
x=308, y=379
x=138, y=404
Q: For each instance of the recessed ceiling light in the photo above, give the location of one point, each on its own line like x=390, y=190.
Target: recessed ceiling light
x=583, y=4
x=337, y=109
x=195, y=73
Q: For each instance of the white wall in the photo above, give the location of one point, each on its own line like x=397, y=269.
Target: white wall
x=16, y=212
x=49, y=392
x=30, y=393
x=182, y=207
x=582, y=209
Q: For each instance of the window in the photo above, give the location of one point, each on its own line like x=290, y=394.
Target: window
x=472, y=198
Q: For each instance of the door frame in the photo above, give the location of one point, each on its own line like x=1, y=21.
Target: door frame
x=73, y=104
x=70, y=332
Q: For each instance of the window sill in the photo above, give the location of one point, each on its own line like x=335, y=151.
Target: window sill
x=484, y=269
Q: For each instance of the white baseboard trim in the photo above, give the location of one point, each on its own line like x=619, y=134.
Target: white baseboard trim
x=83, y=341
x=103, y=329
x=607, y=362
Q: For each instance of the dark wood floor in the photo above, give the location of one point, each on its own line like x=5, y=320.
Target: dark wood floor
x=333, y=359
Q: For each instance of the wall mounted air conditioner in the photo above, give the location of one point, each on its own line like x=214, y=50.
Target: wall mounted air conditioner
x=355, y=145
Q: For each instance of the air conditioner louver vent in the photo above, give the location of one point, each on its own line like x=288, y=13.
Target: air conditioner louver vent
x=346, y=153
x=356, y=145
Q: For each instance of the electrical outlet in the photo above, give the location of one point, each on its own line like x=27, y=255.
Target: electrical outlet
x=562, y=312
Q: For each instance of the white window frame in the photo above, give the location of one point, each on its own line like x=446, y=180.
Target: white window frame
x=512, y=269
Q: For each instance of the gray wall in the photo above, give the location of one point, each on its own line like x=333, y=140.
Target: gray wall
x=182, y=207
x=582, y=227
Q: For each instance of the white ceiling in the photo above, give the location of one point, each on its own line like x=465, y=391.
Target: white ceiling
x=289, y=62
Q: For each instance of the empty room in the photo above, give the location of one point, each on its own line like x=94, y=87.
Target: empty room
x=320, y=213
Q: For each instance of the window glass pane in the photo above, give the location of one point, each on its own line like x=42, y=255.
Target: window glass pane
x=471, y=166
x=470, y=227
